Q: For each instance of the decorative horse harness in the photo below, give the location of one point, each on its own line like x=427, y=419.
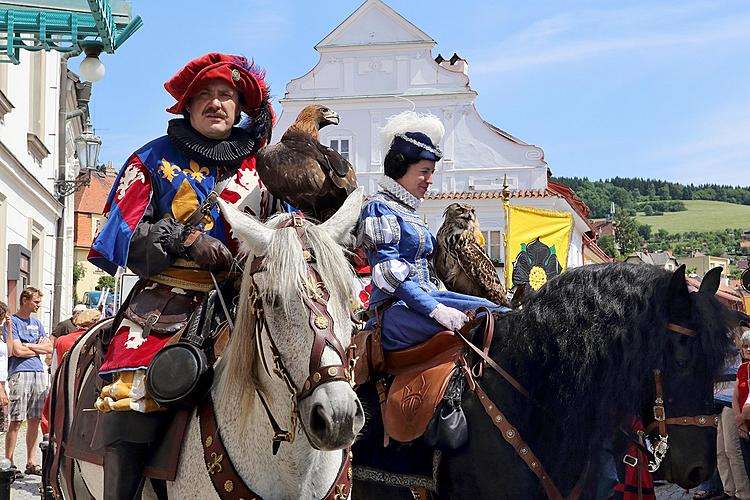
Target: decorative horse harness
x=523, y=450
x=224, y=476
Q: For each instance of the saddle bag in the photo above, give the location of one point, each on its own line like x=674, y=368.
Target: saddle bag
x=158, y=309
x=369, y=354
x=180, y=374
x=448, y=429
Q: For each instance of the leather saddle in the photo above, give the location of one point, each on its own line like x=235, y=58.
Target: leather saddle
x=421, y=376
x=72, y=432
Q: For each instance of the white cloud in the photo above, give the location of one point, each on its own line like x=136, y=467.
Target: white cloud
x=583, y=35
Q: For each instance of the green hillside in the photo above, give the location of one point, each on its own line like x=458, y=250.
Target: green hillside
x=701, y=216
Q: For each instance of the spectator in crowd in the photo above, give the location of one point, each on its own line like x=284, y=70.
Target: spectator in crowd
x=27, y=380
x=66, y=326
x=729, y=461
x=740, y=403
x=4, y=353
x=83, y=321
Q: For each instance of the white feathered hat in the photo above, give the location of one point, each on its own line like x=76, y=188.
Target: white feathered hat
x=415, y=135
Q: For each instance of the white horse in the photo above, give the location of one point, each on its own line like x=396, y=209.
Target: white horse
x=330, y=417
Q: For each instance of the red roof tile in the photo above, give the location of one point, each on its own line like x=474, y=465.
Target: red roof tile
x=91, y=199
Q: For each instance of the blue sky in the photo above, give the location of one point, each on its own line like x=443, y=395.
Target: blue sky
x=657, y=89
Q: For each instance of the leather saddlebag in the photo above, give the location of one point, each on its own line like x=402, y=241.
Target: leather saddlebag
x=369, y=354
x=160, y=310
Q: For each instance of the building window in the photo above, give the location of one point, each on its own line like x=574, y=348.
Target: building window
x=342, y=146
x=37, y=91
x=493, y=246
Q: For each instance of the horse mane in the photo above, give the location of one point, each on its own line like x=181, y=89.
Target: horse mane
x=589, y=340
x=286, y=269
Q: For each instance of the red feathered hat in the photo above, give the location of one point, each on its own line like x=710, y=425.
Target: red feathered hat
x=234, y=70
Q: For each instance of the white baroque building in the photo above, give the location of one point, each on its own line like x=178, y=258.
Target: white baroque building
x=376, y=64
x=36, y=226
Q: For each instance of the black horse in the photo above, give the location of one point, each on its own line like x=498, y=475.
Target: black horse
x=585, y=346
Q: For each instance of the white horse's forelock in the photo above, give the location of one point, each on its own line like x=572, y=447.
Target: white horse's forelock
x=286, y=273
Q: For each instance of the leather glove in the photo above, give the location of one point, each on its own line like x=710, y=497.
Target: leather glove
x=450, y=318
x=208, y=252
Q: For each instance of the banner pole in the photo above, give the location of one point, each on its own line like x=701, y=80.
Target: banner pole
x=506, y=210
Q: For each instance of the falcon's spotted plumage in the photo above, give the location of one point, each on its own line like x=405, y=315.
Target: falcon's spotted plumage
x=460, y=262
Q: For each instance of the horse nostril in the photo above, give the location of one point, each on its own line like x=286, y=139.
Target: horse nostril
x=320, y=421
x=359, y=414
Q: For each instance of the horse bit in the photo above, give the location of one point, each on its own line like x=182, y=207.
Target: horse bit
x=661, y=444
x=315, y=299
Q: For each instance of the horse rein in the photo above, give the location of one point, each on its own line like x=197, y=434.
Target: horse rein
x=315, y=299
x=223, y=474
x=499, y=420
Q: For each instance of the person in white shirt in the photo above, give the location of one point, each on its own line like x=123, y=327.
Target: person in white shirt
x=4, y=353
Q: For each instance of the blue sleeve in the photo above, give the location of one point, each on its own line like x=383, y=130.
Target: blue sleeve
x=381, y=233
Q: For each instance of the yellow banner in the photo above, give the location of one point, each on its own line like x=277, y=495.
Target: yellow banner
x=537, y=245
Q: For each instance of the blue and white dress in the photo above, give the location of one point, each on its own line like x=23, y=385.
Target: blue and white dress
x=399, y=248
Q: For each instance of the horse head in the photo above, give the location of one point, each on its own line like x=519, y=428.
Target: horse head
x=296, y=308
x=679, y=414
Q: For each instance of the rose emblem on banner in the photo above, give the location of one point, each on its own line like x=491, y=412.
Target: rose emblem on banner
x=535, y=264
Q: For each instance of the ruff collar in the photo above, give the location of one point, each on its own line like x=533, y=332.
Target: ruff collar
x=229, y=152
x=398, y=191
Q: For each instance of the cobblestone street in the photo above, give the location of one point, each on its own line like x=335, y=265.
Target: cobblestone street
x=26, y=488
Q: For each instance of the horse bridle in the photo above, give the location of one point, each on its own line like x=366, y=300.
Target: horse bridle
x=315, y=298
x=660, y=444
x=524, y=451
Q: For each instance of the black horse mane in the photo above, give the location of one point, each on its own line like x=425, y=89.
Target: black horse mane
x=589, y=340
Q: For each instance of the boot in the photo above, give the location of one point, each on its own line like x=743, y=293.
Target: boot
x=123, y=470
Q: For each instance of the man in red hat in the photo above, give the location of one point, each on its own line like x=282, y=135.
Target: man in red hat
x=161, y=226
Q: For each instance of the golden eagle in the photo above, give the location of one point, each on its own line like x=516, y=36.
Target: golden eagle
x=303, y=172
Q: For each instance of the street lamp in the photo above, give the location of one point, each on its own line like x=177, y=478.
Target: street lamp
x=87, y=150
x=91, y=68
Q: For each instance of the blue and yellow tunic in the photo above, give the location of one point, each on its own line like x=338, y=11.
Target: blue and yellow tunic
x=399, y=248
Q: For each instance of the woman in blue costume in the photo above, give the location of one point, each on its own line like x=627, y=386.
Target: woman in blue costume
x=398, y=243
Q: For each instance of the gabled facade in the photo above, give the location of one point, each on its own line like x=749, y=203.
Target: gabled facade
x=376, y=64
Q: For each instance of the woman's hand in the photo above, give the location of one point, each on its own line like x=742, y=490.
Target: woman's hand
x=450, y=318
x=3, y=396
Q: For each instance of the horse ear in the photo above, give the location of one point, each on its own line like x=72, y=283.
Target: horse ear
x=247, y=228
x=679, y=298
x=710, y=283
x=341, y=224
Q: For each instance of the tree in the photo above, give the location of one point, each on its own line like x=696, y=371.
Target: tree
x=644, y=230
x=607, y=244
x=78, y=272
x=648, y=210
x=626, y=233
x=105, y=282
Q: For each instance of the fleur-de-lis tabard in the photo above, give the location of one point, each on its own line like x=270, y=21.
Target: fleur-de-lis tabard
x=215, y=465
x=196, y=171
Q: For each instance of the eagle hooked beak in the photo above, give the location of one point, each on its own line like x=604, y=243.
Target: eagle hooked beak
x=330, y=117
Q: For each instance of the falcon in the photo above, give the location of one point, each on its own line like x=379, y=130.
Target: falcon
x=460, y=262
x=303, y=172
